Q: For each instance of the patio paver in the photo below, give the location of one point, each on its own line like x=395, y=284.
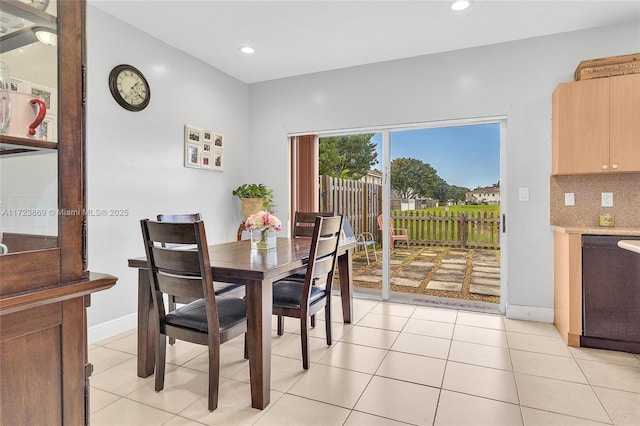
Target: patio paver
x=472, y=274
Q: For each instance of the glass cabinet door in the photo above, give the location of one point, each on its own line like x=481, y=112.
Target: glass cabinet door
x=28, y=125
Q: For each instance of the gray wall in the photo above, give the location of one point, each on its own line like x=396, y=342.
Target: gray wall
x=135, y=160
x=513, y=79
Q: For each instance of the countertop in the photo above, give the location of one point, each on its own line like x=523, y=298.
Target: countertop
x=633, y=245
x=597, y=230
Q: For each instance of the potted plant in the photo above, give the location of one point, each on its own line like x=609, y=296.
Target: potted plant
x=254, y=197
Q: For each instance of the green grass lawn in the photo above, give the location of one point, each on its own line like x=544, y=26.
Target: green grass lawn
x=463, y=209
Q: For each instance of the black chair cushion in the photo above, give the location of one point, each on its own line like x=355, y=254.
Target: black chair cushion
x=231, y=311
x=287, y=294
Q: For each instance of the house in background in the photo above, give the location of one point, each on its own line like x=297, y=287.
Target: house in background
x=483, y=196
x=373, y=177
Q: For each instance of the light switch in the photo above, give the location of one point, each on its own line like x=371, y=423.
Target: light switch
x=607, y=199
x=569, y=199
x=523, y=194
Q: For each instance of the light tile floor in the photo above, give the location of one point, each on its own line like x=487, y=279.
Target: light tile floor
x=396, y=365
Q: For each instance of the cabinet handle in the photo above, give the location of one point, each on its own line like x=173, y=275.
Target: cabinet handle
x=614, y=166
x=605, y=167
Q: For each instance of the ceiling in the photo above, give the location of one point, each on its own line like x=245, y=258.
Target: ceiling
x=301, y=37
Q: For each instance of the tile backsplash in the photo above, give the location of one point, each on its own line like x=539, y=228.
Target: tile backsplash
x=588, y=189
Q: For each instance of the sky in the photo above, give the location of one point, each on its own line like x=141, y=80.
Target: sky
x=466, y=156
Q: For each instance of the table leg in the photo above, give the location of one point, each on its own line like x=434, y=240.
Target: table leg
x=345, y=271
x=146, y=328
x=259, y=309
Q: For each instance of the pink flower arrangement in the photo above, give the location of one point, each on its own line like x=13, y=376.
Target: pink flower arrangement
x=263, y=221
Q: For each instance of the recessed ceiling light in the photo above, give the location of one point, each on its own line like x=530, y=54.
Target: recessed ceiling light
x=460, y=5
x=248, y=50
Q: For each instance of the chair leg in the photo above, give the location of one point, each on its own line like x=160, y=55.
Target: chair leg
x=327, y=322
x=214, y=377
x=172, y=307
x=280, y=325
x=304, y=337
x=246, y=347
x=366, y=252
x=161, y=353
x=313, y=321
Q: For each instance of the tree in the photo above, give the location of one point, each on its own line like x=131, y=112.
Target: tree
x=347, y=157
x=413, y=178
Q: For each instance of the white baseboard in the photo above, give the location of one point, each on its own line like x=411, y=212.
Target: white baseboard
x=529, y=313
x=111, y=328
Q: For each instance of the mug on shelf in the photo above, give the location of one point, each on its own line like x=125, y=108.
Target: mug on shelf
x=27, y=113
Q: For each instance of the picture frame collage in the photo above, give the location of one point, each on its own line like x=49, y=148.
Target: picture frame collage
x=203, y=148
x=49, y=95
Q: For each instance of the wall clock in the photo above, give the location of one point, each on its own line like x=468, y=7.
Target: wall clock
x=129, y=87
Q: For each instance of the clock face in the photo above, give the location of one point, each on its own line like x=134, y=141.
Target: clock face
x=129, y=87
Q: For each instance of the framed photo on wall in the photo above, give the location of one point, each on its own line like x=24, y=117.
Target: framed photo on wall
x=218, y=140
x=192, y=134
x=206, y=161
x=218, y=160
x=192, y=155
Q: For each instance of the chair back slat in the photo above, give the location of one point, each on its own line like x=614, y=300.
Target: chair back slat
x=171, y=233
x=323, y=266
x=325, y=247
x=181, y=286
x=170, y=260
x=304, y=222
x=180, y=218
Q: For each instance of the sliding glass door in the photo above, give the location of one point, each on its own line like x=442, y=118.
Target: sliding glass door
x=425, y=206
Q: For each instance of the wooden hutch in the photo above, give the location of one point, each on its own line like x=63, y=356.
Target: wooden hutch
x=45, y=286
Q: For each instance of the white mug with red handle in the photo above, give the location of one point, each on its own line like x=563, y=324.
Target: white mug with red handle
x=27, y=113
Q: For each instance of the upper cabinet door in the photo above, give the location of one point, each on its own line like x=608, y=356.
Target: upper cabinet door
x=624, y=147
x=580, y=127
x=42, y=198
x=29, y=126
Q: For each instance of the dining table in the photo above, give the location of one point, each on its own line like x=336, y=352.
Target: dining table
x=238, y=262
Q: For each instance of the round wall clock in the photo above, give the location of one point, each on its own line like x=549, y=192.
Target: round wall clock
x=129, y=87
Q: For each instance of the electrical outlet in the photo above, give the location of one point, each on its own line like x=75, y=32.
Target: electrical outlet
x=607, y=199
x=569, y=199
x=523, y=194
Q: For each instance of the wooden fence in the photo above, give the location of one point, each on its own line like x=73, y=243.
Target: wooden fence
x=361, y=203
x=466, y=230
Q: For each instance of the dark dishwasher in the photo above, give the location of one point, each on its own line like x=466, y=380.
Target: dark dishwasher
x=610, y=294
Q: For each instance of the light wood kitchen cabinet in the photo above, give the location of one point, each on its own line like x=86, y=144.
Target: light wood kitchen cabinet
x=595, y=126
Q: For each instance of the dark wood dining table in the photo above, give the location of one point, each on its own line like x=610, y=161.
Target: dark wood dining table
x=237, y=262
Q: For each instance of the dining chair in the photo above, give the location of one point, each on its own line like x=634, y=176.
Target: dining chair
x=296, y=299
x=363, y=239
x=208, y=321
x=397, y=234
x=303, y=224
